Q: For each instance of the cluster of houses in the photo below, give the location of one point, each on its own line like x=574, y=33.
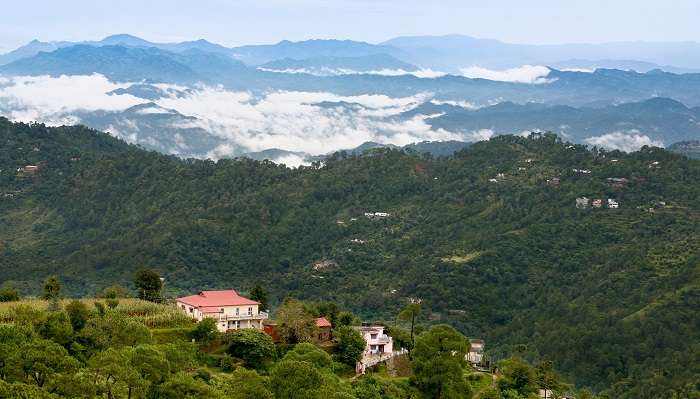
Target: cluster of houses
x=585, y=203
x=232, y=311
x=376, y=215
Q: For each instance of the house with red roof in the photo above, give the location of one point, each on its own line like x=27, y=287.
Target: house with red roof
x=323, y=330
x=230, y=310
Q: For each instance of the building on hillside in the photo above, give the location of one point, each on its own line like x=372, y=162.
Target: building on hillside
x=29, y=170
x=613, y=204
x=617, y=182
x=376, y=215
x=582, y=202
x=323, y=330
x=378, y=342
x=476, y=351
x=230, y=310
x=597, y=203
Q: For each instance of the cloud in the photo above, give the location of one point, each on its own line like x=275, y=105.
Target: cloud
x=629, y=141
x=241, y=122
x=531, y=74
x=47, y=99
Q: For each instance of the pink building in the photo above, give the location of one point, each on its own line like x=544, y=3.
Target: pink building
x=378, y=342
x=230, y=310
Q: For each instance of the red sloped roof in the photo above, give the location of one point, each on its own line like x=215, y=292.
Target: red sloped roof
x=212, y=299
x=323, y=322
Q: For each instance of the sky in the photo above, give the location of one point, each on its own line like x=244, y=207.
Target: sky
x=236, y=22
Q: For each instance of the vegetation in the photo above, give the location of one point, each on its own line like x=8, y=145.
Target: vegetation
x=610, y=296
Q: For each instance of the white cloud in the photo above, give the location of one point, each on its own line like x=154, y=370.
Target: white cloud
x=47, y=99
x=294, y=121
x=531, y=74
x=624, y=141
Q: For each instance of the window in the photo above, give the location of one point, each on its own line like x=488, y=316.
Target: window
x=183, y=307
x=236, y=311
x=250, y=311
x=373, y=336
x=222, y=310
x=191, y=310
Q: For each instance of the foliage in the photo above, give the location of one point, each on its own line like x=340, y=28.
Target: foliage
x=205, y=331
x=8, y=294
x=244, y=384
x=78, y=314
x=296, y=323
x=349, y=345
x=252, y=346
x=258, y=293
x=410, y=313
x=438, y=363
x=609, y=295
x=149, y=284
x=309, y=353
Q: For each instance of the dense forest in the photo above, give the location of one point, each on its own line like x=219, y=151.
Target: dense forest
x=490, y=239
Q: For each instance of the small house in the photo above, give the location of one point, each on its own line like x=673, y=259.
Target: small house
x=378, y=342
x=476, y=351
x=323, y=330
x=597, y=203
x=613, y=204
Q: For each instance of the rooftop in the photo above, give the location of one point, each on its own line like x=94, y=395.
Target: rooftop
x=209, y=299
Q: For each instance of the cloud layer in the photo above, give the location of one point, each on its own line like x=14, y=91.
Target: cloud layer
x=325, y=71
x=530, y=74
x=311, y=122
x=629, y=141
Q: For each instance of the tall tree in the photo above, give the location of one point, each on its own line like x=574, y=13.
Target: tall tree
x=149, y=285
x=258, y=293
x=349, y=345
x=410, y=313
x=296, y=324
x=438, y=363
x=52, y=292
x=253, y=346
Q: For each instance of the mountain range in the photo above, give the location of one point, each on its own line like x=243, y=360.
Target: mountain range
x=200, y=99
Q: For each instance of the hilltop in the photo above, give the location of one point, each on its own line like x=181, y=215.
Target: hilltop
x=488, y=239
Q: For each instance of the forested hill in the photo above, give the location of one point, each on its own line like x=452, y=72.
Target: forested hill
x=488, y=239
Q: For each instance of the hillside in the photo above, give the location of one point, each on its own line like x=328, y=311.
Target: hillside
x=610, y=295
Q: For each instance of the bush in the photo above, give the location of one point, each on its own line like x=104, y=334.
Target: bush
x=8, y=294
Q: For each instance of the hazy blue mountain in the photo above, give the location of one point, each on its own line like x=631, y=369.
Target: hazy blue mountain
x=691, y=148
x=625, y=65
x=261, y=54
x=29, y=50
x=35, y=47
x=661, y=119
x=452, y=52
x=330, y=65
x=120, y=63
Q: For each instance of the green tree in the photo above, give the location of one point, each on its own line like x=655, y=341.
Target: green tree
x=252, y=346
x=8, y=294
x=149, y=285
x=151, y=364
x=43, y=363
x=292, y=379
x=57, y=327
x=438, y=363
x=12, y=337
x=349, y=345
x=410, y=313
x=296, y=323
x=52, y=292
x=244, y=384
x=517, y=376
x=184, y=386
x=78, y=313
x=258, y=293
x=205, y=331
x=114, y=374
x=306, y=352
x=548, y=379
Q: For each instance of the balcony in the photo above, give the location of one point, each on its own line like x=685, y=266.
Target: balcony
x=244, y=316
x=380, y=340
